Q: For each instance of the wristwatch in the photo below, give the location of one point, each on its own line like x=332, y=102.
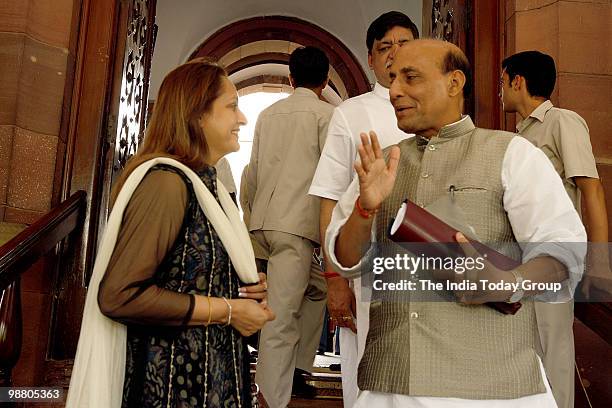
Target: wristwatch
x=518, y=295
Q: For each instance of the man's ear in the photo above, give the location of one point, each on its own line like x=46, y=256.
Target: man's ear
x=456, y=82
x=517, y=83
x=291, y=81
x=370, y=60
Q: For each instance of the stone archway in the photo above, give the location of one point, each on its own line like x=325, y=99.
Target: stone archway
x=270, y=39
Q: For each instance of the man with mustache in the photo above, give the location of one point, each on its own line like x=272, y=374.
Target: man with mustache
x=443, y=354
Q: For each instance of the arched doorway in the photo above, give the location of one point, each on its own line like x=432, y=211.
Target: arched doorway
x=271, y=39
x=256, y=52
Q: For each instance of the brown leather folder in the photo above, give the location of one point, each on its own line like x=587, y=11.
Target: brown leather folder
x=417, y=225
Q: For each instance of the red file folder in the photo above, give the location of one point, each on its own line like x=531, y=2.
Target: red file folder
x=414, y=224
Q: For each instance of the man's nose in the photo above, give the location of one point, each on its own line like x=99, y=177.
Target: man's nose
x=394, y=91
x=394, y=48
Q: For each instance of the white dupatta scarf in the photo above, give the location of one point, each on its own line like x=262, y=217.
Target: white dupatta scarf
x=99, y=365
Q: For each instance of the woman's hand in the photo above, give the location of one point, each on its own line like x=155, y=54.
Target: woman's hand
x=258, y=292
x=248, y=316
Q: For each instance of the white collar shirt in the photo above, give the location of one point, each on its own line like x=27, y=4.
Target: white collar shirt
x=363, y=113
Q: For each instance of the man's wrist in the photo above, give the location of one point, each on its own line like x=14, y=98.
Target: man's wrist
x=365, y=212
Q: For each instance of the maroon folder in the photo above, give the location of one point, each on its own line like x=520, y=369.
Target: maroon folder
x=420, y=226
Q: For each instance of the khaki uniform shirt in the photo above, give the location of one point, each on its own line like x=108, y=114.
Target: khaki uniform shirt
x=289, y=138
x=224, y=175
x=564, y=137
x=260, y=252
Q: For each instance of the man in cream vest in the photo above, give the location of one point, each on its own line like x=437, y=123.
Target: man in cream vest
x=442, y=354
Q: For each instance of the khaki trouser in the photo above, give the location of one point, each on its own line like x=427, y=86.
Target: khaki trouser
x=555, y=327
x=297, y=294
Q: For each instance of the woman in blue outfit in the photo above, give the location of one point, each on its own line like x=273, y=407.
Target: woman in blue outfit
x=170, y=279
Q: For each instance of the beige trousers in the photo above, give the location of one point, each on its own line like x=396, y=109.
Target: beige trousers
x=297, y=294
x=555, y=328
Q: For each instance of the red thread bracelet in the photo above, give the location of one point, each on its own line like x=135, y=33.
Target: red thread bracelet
x=363, y=212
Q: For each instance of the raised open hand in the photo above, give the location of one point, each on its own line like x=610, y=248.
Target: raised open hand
x=376, y=177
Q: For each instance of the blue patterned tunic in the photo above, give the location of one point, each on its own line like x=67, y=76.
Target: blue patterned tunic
x=190, y=366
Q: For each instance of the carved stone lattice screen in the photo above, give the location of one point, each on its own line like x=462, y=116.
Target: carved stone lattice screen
x=442, y=20
x=134, y=84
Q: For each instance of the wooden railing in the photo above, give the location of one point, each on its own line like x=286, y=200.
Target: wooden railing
x=16, y=257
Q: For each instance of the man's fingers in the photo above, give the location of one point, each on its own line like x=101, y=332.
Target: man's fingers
x=466, y=246
x=364, y=159
x=260, y=287
x=365, y=141
x=367, y=147
x=345, y=321
x=359, y=170
x=375, y=145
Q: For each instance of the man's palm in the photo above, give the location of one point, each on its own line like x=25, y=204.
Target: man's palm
x=376, y=178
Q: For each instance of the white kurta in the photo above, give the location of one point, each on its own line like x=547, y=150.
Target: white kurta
x=363, y=113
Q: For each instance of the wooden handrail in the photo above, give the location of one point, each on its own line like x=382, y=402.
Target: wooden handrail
x=21, y=252
x=16, y=257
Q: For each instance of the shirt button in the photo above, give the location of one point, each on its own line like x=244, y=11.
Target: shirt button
x=432, y=147
x=425, y=175
x=414, y=315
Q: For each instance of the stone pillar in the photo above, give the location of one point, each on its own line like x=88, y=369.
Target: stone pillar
x=34, y=53
x=34, y=38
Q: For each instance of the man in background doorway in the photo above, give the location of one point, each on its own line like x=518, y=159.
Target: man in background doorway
x=224, y=174
x=289, y=137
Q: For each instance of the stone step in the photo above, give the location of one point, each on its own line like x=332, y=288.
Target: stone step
x=327, y=384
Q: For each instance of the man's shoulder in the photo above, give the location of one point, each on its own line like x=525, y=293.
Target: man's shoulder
x=326, y=107
x=357, y=102
x=560, y=114
x=494, y=132
x=275, y=107
x=490, y=138
x=294, y=103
